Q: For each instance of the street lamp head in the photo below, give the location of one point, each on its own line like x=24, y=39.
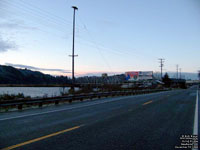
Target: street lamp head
x=76, y=8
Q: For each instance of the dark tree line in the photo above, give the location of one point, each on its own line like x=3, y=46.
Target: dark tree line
x=11, y=75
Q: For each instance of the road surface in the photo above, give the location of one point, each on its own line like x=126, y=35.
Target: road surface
x=141, y=122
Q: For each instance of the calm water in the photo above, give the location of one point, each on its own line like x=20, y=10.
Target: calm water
x=34, y=91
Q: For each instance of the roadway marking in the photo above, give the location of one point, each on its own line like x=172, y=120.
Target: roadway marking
x=41, y=138
x=52, y=111
x=106, y=101
x=195, y=128
x=147, y=102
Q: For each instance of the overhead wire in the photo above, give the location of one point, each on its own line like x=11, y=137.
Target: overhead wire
x=114, y=50
x=124, y=52
x=47, y=13
x=43, y=30
x=43, y=20
x=58, y=22
x=64, y=29
x=100, y=52
x=92, y=38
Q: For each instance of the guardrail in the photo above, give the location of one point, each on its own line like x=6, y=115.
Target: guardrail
x=19, y=103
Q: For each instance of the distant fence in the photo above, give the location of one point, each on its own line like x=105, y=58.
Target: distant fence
x=20, y=103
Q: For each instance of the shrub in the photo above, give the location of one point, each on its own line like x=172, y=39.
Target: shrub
x=12, y=96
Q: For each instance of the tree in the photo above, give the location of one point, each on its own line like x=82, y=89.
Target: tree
x=166, y=80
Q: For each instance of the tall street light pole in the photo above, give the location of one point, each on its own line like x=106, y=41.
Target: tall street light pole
x=73, y=79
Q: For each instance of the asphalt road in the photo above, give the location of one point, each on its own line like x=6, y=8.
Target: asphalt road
x=142, y=122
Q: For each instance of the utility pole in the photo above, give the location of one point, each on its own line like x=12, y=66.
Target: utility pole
x=177, y=71
x=73, y=79
x=180, y=72
x=161, y=66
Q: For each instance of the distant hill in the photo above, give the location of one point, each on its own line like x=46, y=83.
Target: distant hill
x=11, y=75
x=184, y=75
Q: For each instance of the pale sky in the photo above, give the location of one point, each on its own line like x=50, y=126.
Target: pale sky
x=111, y=35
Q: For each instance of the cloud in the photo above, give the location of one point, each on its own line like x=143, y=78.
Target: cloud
x=9, y=25
x=37, y=69
x=6, y=45
x=97, y=73
x=16, y=25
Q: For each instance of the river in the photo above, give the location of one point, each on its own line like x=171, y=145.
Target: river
x=34, y=91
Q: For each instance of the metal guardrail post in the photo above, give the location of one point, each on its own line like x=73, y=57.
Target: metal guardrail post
x=19, y=106
x=56, y=102
x=91, y=97
x=40, y=104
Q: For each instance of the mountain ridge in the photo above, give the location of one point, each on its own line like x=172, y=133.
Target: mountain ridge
x=11, y=75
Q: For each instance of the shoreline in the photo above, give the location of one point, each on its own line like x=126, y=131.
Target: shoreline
x=35, y=85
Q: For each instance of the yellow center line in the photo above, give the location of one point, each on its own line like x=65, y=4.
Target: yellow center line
x=41, y=138
x=147, y=102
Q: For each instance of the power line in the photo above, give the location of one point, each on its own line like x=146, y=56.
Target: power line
x=42, y=29
x=96, y=45
x=41, y=19
x=117, y=51
x=27, y=8
x=47, y=13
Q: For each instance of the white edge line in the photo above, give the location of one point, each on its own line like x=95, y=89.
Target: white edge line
x=41, y=113
x=107, y=101
x=195, y=128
